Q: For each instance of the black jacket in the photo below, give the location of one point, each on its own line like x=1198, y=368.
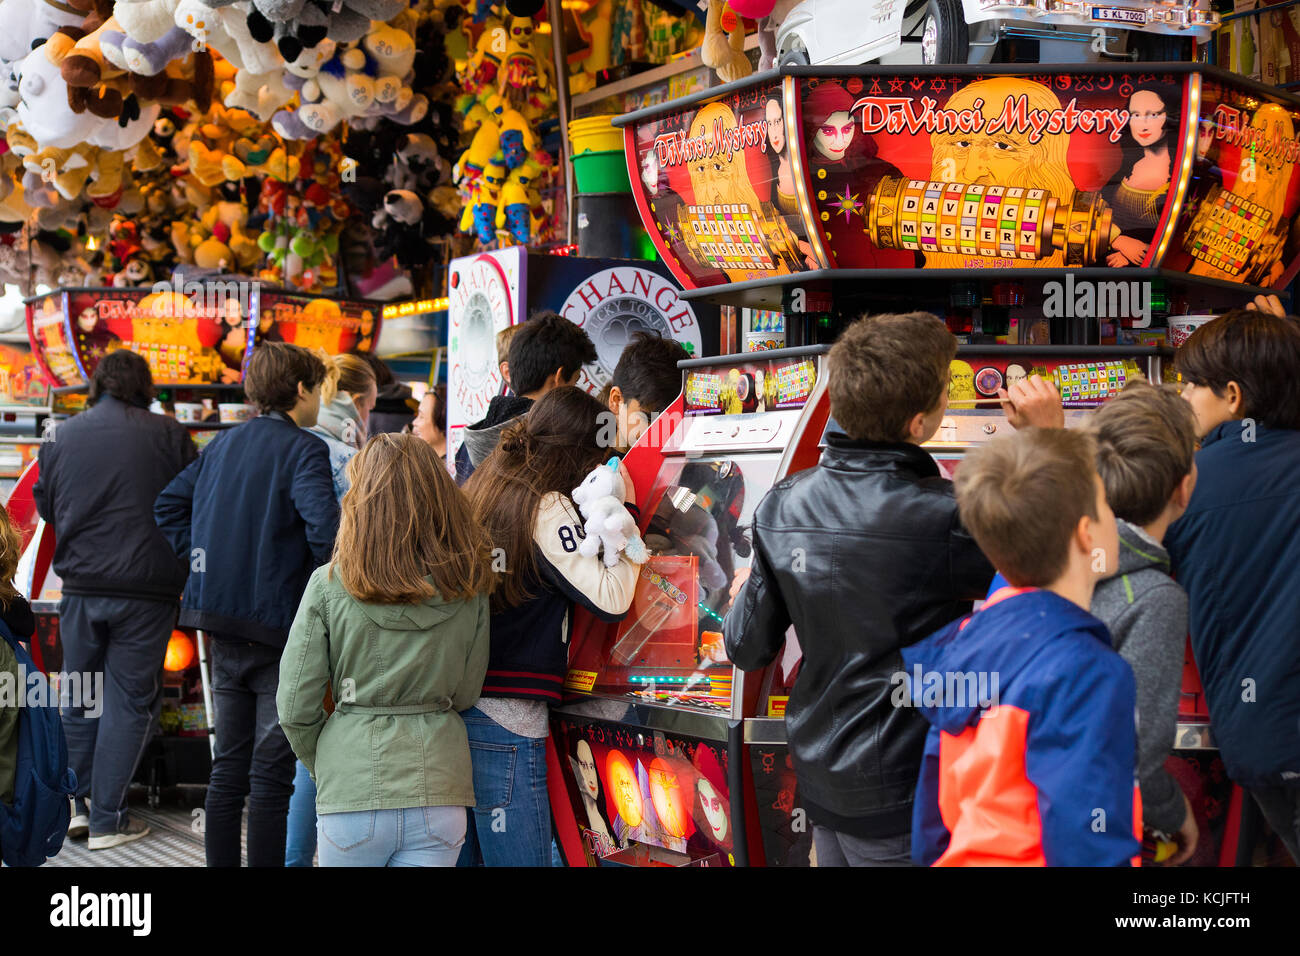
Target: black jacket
x=253, y=518
x=97, y=482
x=864, y=554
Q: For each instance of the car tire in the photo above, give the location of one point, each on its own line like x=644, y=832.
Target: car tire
x=1161, y=48
x=948, y=42
x=795, y=56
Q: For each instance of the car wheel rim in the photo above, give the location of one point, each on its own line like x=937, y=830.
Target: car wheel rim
x=930, y=41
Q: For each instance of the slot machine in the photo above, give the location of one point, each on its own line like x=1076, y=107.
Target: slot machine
x=649, y=761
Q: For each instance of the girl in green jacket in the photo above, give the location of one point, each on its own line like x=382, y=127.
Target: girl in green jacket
x=396, y=628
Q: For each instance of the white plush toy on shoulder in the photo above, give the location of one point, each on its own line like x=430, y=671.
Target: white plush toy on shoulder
x=606, y=522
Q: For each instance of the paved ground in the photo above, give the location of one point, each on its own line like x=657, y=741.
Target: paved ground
x=175, y=840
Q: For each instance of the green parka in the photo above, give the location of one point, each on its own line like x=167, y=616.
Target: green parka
x=399, y=674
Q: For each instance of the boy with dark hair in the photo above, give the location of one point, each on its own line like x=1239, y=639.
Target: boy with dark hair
x=1236, y=549
x=646, y=380
x=865, y=555
x=98, y=480
x=1146, y=440
x=1030, y=754
x=253, y=517
x=548, y=351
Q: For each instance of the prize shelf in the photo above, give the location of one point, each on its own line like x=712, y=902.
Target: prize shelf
x=682, y=64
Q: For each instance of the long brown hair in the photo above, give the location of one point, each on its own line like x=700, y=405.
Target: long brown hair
x=11, y=550
x=404, y=522
x=552, y=448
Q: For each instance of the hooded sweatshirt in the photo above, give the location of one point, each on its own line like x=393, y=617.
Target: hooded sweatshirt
x=1146, y=612
x=339, y=426
x=482, y=437
x=1029, y=760
x=400, y=674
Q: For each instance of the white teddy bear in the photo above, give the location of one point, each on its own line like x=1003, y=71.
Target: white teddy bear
x=606, y=522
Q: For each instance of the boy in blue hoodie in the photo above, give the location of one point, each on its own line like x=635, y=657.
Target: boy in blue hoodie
x=1236, y=549
x=1029, y=760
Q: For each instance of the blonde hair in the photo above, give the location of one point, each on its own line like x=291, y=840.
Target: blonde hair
x=11, y=550
x=345, y=373
x=406, y=532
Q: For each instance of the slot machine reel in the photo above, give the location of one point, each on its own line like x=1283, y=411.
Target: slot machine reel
x=1001, y=222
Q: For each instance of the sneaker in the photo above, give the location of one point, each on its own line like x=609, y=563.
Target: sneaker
x=133, y=830
x=79, y=824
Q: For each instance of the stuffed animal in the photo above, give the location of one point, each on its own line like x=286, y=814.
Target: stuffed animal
x=724, y=50
x=23, y=22
x=608, y=525
x=486, y=142
x=296, y=24
x=46, y=114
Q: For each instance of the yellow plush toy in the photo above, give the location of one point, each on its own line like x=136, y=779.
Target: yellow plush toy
x=486, y=142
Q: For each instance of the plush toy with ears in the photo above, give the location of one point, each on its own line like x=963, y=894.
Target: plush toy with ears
x=607, y=523
x=723, y=50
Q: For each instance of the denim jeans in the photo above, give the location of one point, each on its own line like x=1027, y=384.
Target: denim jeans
x=415, y=836
x=300, y=843
x=843, y=849
x=125, y=640
x=253, y=757
x=511, y=823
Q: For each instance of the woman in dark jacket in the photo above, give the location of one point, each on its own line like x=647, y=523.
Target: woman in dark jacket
x=521, y=494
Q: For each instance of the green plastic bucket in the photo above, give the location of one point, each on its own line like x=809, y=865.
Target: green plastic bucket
x=603, y=171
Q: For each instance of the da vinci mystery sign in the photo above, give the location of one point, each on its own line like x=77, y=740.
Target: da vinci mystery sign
x=483, y=294
x=614, y=304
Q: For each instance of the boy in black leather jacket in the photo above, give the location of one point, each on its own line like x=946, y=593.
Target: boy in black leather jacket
x=864, y=554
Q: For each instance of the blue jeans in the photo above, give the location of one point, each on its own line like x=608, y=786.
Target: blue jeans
x=511, y=823
x=300, y=840
x=415, y=836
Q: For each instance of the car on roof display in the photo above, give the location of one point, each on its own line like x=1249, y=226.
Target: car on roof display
x=827, y=32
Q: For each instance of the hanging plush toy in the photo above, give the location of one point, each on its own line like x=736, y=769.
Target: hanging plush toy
x=609, y=527
x=724, y=49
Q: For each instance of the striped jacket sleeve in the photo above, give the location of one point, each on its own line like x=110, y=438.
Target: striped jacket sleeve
x=605, y=592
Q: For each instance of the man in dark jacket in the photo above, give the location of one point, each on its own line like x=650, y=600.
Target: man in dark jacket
x=1236, y=551
x=254, y=517
x=547, y=352
x=865, y=555
x=98, y=480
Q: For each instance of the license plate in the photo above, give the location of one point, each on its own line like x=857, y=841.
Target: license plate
x=1119, y=15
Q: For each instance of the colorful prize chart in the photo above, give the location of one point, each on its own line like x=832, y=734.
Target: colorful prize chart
x=1229, y=231
x=794, y=382
x=727, y=236
x=1093, y=382
x=703, y=389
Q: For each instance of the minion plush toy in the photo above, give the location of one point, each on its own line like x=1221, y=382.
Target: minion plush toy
x=489, y=197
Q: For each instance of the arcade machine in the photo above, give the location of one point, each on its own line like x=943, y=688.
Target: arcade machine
x=1018, y=203
x=196, y=339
